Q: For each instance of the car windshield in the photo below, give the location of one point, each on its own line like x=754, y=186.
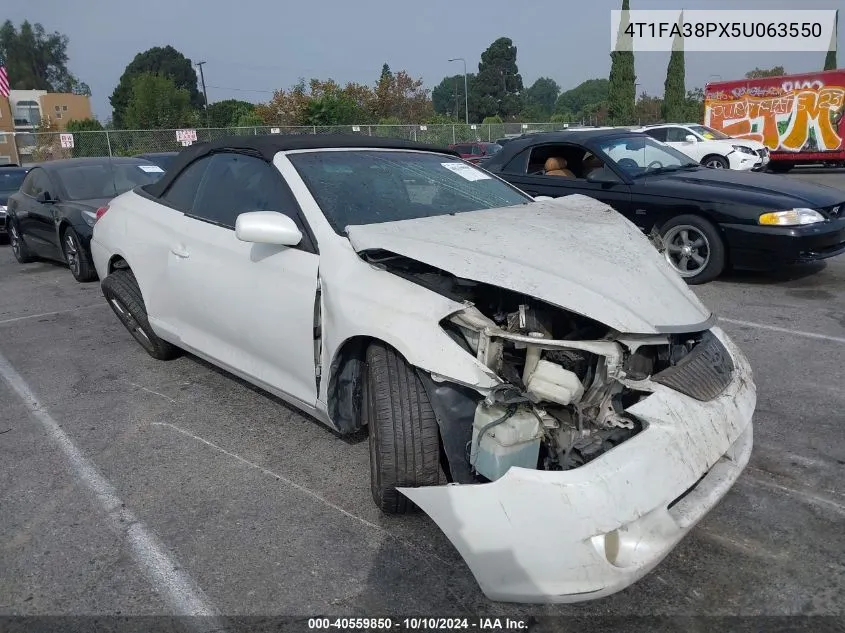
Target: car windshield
x=493, y=148
x=709, y=133
x=11, y=179
x=641, y=155
x=375, y=186
x=162, y=160
x=105, y=180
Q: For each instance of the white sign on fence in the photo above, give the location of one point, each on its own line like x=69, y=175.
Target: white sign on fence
x=275, y=130
x=187, y=143
x=356, y=128
x=67, y=140
x=423, y=128
x=524, y=126
x=186, y=135
x=473, y=127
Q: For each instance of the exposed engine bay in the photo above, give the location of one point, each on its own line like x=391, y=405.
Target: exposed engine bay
x=566, y=380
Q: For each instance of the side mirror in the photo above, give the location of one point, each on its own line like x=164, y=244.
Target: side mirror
x=602, y=176
x=267, y=227
x=44, y=198
x=690, y=138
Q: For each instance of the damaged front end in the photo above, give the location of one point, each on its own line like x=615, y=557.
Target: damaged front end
x=567, y=385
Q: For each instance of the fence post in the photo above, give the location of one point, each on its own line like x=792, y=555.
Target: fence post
x=108, y=143
x=255, y=131
x=315, y=129
x=370, y=130
x=453, y=134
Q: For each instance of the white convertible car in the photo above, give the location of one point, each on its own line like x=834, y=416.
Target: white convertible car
x=532, y=373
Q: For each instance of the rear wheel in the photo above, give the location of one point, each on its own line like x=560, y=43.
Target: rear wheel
x=404, y=437
x=124, y=296
x=77, y=257
x=19, y=248
x=714, y=161
x=781, y=166
x=694, y=248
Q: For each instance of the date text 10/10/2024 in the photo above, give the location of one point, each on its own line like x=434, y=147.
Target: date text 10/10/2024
x=418, y=624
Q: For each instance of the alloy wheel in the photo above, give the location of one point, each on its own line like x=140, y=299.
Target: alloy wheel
x=687, y=250
x=15, y=240
x=714, y=164
x=130, y=322
x=72, y=253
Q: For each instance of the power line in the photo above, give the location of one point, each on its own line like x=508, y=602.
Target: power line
x=243, y=89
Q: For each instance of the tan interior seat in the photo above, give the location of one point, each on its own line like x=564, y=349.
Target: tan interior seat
x=591, y=163
x=556, y=166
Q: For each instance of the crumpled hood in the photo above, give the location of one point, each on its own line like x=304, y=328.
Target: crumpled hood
x=573, y=252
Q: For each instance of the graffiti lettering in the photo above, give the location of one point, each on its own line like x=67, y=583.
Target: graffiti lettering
x=805, y=114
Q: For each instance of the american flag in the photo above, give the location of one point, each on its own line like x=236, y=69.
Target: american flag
x=4, y=79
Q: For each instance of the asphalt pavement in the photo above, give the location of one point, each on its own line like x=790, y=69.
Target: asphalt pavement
x=130, y=486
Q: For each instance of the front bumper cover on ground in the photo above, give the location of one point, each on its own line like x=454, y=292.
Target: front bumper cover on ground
x=569, y=536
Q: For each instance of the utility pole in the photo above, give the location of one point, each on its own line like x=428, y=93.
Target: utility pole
x=204, y=93
x=466, y=94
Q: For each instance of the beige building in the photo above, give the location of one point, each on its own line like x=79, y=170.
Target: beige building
x=26, y=110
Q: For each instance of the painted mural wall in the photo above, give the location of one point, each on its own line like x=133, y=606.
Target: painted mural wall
x=799, y=114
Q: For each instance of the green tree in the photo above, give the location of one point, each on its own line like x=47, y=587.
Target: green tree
x=333, y=109
x=386, y=73
x=163, y=61
x=89, y=138
x=228, y=112
x=592, y=91
x=448, y=97
x=760, y=73
x=622, y=92
x=155, y=102
x=695, y=106
x=498, y=86
x=37, y=60
x=830, y=58
x=249, y=119
x=674, y=88
x=540, y=99
x=649, y=110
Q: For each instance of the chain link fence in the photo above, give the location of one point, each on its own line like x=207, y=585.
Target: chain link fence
x=36, y=147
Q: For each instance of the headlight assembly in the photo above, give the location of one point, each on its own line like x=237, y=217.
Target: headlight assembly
x=792, y=217
x=744, y=150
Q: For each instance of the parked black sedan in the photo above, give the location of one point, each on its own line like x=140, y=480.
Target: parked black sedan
x=53, y=214
x=11, y=177
x=709, y=219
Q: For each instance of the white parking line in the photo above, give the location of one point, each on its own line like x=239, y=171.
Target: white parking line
x=46, y=314
x=314, y=495
x=783, y=330
x=165, y=575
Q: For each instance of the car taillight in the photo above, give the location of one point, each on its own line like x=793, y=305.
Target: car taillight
x=102, y=211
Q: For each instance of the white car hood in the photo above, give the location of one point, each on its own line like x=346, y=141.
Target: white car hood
x=572, y=252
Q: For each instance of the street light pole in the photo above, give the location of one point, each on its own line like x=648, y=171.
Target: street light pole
x=466, y=93
x=204, y=93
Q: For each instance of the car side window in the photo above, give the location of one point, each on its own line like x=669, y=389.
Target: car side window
x=677, y=134
x=519, y=163
x=658, y=134
x=38, y=183
x=183, y=191
x=238, y=183
x=28, y=183
x=476, y=150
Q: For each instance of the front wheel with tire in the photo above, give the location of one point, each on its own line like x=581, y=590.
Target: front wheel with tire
x=19, y=248
x=124, y=296
x=694, y=248
x=404, y=437
x=77, y=257
x=715, y=161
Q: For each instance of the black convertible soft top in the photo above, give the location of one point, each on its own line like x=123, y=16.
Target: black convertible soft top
x=267, y=146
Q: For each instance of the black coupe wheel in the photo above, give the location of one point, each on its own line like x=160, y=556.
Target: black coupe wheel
x=404, y=437
x=19, y=248
x=77, y=257
x=124, y=296
x=694, y=248
x=716, y=162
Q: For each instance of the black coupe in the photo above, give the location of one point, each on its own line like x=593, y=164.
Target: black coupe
x=709, y=219
x=53, y=214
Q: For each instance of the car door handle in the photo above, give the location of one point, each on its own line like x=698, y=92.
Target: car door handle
x=180, y=251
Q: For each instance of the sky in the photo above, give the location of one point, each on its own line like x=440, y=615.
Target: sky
x=253, y=47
